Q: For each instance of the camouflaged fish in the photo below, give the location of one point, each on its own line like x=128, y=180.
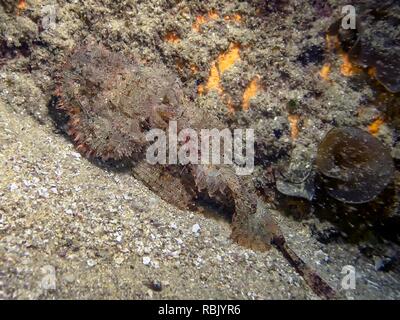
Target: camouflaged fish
x=112, y=102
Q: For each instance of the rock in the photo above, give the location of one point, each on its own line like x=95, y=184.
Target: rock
x=297, y=178
x=196, y=228
x=119, y=260
x=149, y=294
x=156, y=285
x=76, y=155
x=13, y=187
x=153, y=202
x=354, y=165
x=146, y=261
x=91, y=263
x=118, y=237
x=321, y=257
x=384, y=264
x=303, y=190
x=43, y=193
x=326, y=235
x=373, y=44
x=69, y=277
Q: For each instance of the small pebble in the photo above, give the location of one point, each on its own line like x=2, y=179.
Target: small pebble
x=76, y=155
x=118, y=238
x=383, y=264
x=43, y=193
x=119, y=260
x=150, y=293
x=91, y=262
x=196, y=228
x=69, y=277
x=13, y=187
x=153, y=202
x=146, y=261
x=156, y=285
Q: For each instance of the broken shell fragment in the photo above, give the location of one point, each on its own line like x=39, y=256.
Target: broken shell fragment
x=355, y=166
x=296, y=179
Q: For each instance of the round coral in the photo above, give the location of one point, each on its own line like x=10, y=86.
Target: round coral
x=356, y=167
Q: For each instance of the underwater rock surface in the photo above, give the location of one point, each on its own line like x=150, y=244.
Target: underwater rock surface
x=375, y=42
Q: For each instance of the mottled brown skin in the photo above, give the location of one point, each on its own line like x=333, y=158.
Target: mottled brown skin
x=127, y=99
x=112, y=102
